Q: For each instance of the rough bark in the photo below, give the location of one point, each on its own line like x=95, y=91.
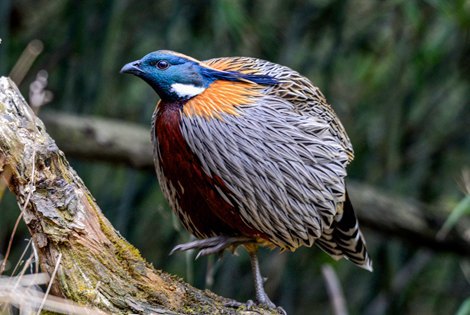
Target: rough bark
x=98, y=267
x=117, y=141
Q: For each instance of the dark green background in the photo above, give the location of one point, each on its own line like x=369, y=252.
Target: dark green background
x=397, y=73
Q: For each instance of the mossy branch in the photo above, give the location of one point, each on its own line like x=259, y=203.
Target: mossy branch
x=98, y=267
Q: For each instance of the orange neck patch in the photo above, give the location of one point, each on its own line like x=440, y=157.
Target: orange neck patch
x=222, y=97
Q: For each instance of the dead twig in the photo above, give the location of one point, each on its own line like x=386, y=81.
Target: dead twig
x=335, y=292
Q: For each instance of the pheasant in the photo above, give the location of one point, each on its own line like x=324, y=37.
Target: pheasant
x=248, y=152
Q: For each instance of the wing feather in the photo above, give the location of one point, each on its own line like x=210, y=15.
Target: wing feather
x=283, y=156
x=284, y=182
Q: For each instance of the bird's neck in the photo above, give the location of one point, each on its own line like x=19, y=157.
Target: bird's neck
x=179, y=92
x=186, y=91
x=170, y=146
x=167, y=118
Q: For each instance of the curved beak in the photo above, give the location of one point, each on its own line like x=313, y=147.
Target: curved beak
x=132, y=68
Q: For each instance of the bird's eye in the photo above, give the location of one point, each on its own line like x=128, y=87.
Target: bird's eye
x=162, y=64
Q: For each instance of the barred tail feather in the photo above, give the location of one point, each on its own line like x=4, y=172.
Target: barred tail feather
x=344, y=239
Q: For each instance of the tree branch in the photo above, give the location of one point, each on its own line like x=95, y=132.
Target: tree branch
x=118, y=141
x=98, y=267
x=335, y=292
x=101, y=139
x=414, y=222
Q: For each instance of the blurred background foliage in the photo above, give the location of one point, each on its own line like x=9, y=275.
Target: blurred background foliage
x=397, y=73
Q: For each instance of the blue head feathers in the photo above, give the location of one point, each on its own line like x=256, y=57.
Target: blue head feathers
x=175, y=76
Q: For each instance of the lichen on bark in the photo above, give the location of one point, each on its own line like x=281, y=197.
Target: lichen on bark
x=98, y=267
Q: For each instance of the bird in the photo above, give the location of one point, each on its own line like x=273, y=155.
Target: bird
x=250, y=153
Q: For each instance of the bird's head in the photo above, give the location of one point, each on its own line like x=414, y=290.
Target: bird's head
x=175, y=76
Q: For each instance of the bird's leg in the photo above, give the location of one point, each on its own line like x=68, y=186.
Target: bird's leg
x=212, y=245
x=261, y=296
x=216, y=245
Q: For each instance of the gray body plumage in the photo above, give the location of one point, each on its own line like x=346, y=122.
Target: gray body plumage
x=283, y=159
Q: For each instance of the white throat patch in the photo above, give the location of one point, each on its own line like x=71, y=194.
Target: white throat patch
x=187, y=90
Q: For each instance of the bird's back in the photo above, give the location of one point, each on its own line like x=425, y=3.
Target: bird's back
x=306, y=98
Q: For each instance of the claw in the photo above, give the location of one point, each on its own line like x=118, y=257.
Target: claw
x=249, y=305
